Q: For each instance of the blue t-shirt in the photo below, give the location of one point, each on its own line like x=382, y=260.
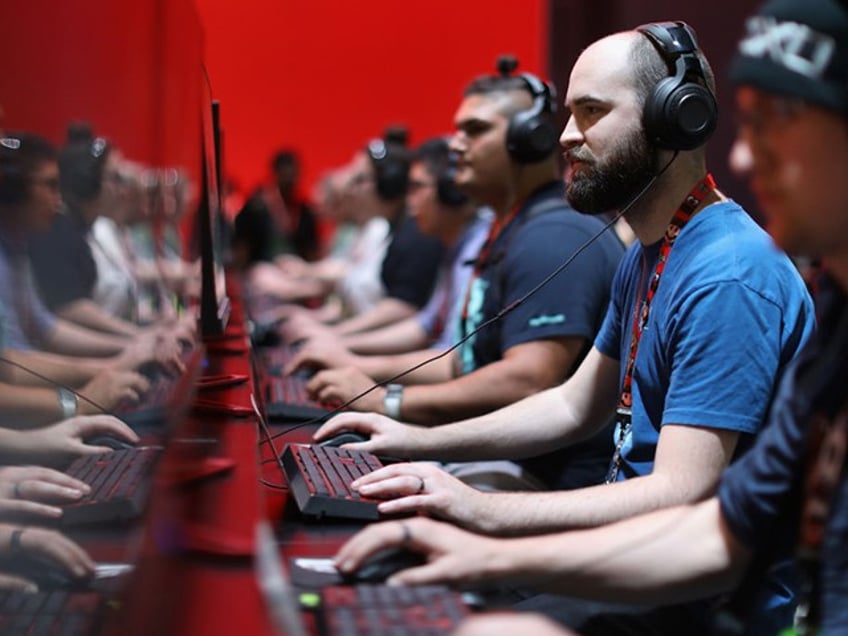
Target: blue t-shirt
x=762, y=494
x=729, y=313
x=544, y=233
x=27, y=323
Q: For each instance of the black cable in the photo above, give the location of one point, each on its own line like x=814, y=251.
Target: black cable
x=269, y=440
x=53, y=382
x=503, y=312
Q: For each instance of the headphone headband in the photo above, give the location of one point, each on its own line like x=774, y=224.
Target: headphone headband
x=531, y=136
x=681, y=113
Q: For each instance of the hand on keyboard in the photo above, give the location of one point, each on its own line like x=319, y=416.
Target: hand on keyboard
x=113, y=390
x=338, y=386
x=31, y=489
x=388, y=438
x=61, y=443
x=26, y=553
x=423, y=487
x=453, y=556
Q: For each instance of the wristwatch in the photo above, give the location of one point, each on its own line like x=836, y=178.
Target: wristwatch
x=394, y=395
x=67, y=402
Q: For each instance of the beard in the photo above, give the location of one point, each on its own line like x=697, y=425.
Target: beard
x=610, y=185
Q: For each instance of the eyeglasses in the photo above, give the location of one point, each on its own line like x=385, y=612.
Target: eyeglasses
x=770, y=112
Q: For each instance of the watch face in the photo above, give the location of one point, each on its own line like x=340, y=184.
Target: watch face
x=67, y=402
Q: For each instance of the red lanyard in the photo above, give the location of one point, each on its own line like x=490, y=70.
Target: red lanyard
x=642, y=310
x=640, y=317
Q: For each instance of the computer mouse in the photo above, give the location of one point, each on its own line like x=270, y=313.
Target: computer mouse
x=345, y=437
x=110, y=441
x=382, y=564
x=43, y=571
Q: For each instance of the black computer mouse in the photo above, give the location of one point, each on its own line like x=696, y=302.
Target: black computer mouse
x=110, y=441
x=43, y=571
x=345, y=437
x=382, y=564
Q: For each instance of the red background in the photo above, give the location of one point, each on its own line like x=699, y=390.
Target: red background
x=322, y=76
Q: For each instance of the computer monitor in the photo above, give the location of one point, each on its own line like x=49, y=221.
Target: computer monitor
x=277, y=591
x=214, y=303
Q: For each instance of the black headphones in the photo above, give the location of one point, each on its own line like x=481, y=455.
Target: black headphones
x=530, y=136
x=391, y=169
x=13, y=183
x=681, y=113
x=446, y=189
x=81, y=167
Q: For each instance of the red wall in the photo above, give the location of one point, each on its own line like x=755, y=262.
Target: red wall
x=322, y=76
x=132, y=69
x=326, y=75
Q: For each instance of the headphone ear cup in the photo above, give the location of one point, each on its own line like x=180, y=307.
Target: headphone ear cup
x=447, y=191
x=680, y=116
x=392, y=179
x=12, y=184
x=529, y=138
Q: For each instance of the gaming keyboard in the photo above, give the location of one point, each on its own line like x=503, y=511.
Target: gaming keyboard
x=167, y=395
x=55, y=613
x=119, y=480
x=383, y=610
x=320, y=477
x=286, y=399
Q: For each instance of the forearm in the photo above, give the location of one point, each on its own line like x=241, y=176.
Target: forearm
x=20, y=447
x=381, y=368
x=668, y=556
x=482, y=391
x=387, y=311
x=87, y=313
x=69, y=339
x=519, y=513
x=527, y=428
x=27, y=407
x=57, y=369
x=400, y=337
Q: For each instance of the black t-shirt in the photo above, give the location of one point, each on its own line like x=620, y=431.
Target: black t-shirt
x=411, y=264
x=62, y=263
x=762, y=494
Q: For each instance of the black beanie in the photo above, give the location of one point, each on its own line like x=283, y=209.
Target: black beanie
x=797, y=48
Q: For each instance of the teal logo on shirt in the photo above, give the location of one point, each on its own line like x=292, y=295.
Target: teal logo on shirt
x=539, y=321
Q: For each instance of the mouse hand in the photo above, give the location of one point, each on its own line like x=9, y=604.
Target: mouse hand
x=50, y=545
x=509, y=624
x=388, y=437
x=453, y=556
x=63, y=442
x=339, y=386
x=30, y=489
x=421, y=487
